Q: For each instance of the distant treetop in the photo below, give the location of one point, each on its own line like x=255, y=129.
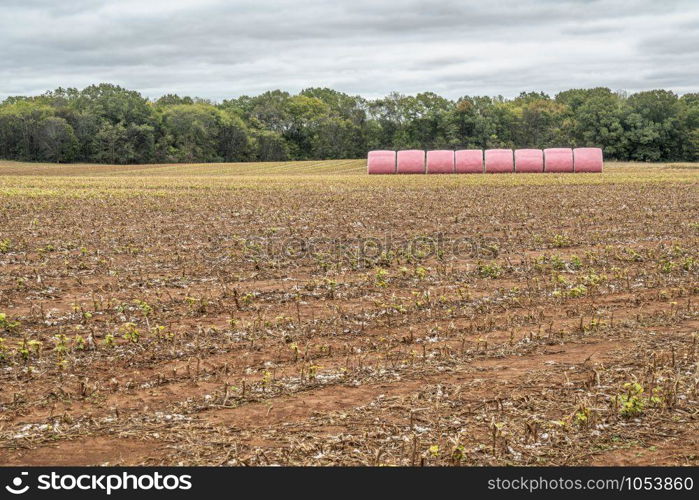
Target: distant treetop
x=106, y=123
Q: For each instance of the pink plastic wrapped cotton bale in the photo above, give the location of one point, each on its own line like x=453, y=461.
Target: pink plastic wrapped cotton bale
x=587, y=159
x=468, y=161
x=499, y=161
x=440, y=161
x=529, y=160
x=558, y=160
x=411, y=161
x=381, y=162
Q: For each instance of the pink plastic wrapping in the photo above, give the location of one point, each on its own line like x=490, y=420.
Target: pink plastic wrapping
x=440, y=162
x=498, y=161
x=558, y=160
x=381, y=162
x=529, y=160
x=411, y=161
x=587, y=159
x=468, y=161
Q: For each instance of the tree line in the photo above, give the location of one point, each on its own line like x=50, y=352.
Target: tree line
x=109, y=124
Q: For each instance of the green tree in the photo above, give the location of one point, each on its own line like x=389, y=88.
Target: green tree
x=655, y=126
x=595, y=117
x=270, y=146
x=192, y=133
x=107, y=123
x=55, y=140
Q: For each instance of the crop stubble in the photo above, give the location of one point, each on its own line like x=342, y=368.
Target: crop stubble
x=169, y=314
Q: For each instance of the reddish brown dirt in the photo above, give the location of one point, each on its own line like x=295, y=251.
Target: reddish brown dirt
x=523, y=352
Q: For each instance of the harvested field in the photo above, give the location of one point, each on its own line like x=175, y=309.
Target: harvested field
x=306, y=313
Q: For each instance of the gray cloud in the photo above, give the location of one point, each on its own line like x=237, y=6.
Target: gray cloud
x=218, y=49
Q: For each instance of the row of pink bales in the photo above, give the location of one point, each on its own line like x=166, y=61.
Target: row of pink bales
x=475, y=161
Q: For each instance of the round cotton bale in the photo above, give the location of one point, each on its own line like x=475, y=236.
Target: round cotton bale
x=587, y=159
x=411, y=161
x=499, y=161
x=381, y=162
x=468, y=161
x=440, y=162
x=529, y=160
x=558, y=160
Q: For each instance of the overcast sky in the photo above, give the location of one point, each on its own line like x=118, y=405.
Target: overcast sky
x=219, y=49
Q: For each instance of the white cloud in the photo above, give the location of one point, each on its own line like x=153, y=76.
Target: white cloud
x=219, y=49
